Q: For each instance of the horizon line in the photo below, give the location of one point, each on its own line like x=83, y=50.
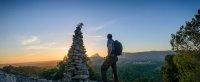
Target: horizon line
x=89, y=57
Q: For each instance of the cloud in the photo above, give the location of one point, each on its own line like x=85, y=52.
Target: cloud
x=34, y=43
x=45, y=46
x=99, y=27
x=51, y=43
x=30, y=40
x=33, y=53
x=94, y=36
x=92, y=31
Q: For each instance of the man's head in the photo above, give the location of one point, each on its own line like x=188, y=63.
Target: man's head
x=109, y=36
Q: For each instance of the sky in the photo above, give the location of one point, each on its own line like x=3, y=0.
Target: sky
x=41, y=30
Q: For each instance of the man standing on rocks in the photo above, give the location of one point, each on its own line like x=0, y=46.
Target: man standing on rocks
x=111, y=60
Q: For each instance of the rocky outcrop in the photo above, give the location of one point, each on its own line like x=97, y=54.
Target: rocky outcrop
x=76, y=69
x=5, y=77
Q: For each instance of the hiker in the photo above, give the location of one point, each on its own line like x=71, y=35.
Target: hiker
x=110, y=60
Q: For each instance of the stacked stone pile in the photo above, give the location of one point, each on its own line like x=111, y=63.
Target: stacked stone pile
x=76, y=69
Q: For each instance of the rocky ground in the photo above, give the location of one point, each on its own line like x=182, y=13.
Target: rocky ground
x=5, y=77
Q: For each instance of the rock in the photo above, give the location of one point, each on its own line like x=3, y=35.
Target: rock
x=80, y=77
x=4, y=77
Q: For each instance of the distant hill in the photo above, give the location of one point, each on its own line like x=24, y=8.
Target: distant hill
x=150, y=55
x=95, y=56
x=139, y=57
x=46, y=64
x=96, y=59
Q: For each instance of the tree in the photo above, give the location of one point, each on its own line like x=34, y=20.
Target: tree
x=61, y=67
x=188, y=37
x=169, y=70
x=188, y=66
x=185, y=65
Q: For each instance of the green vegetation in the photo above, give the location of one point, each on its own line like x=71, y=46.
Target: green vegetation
x=169, y=70
x=126, y=72
x=23, y=70
x=185, y=65
x=55, y=73
x=188, y=66
x=133, y=72
x=51, y=73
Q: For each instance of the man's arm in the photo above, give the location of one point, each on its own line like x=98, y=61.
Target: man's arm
x=109, y=49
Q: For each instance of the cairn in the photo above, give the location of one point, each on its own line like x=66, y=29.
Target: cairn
x=76, y=69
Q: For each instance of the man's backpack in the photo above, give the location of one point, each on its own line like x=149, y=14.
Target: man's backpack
x=118, y=48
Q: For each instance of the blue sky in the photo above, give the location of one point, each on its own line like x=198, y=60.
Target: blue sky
x=44, y=28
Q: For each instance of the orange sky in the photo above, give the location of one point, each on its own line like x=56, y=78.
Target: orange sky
x=43, y=55
x=42, y=31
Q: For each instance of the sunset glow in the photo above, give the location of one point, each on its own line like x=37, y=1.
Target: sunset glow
x=42, y=31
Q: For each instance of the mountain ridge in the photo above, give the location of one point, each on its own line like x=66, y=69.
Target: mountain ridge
x=97, y=59
x=141, y=57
